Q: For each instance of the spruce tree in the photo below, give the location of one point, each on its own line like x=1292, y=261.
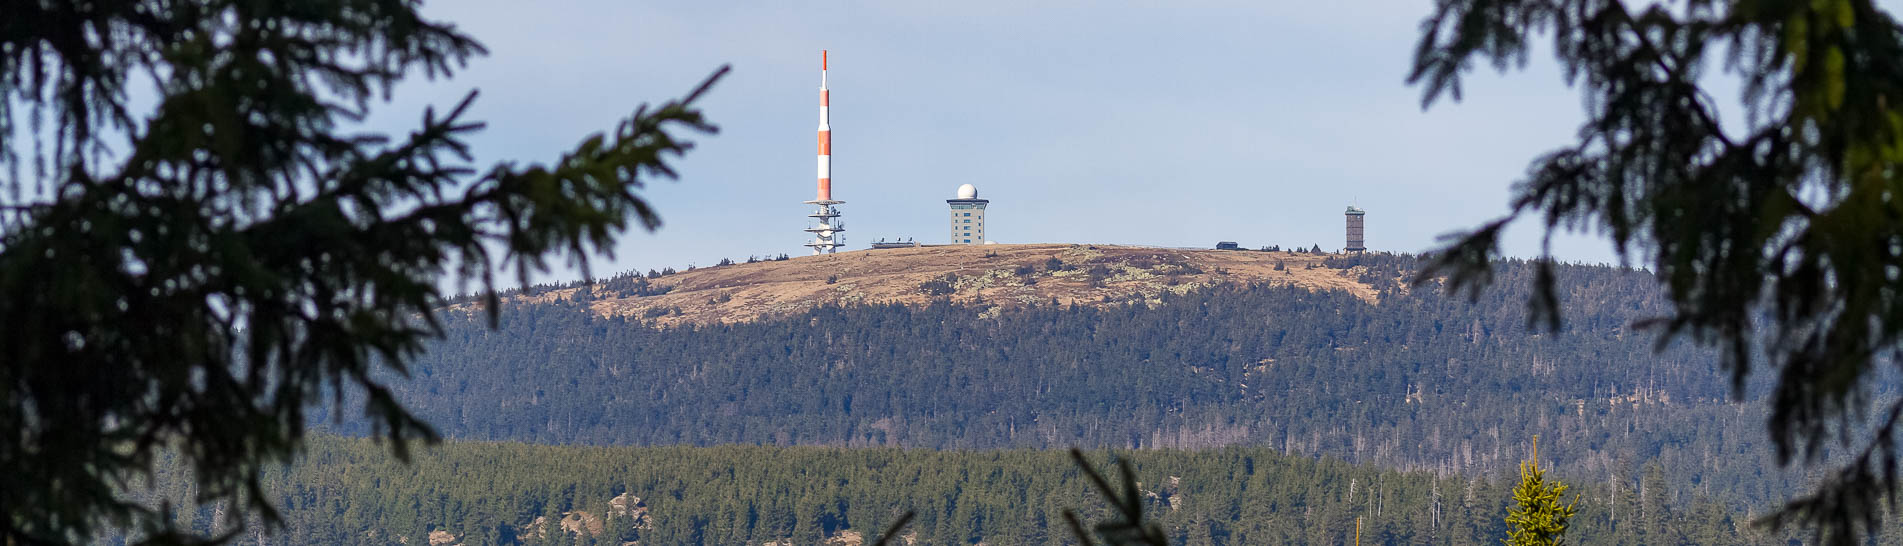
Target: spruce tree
x=1537, y=517
x=1776, y=237
x=196, y=274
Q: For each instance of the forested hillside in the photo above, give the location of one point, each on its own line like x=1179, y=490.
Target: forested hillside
x=350, y=492
x=1419, y=380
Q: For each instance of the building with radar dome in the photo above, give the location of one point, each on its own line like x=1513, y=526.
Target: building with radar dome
x=967, y=216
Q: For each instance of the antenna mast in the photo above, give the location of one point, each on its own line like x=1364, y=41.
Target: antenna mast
x=826, y=231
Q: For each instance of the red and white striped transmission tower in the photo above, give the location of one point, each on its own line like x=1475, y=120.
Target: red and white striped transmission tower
x=826, y=232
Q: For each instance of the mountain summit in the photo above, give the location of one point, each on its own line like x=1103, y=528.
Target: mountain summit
x=996, y=275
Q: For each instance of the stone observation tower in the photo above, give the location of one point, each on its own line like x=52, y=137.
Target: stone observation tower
x=1356, y=243
x=967, y=217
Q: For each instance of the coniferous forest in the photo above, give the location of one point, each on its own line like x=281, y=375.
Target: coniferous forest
x=478, y=493
x=1432, y=398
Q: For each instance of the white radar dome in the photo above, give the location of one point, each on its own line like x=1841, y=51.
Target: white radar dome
x=967, y=191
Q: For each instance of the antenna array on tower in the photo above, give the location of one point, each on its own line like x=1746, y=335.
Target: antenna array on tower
x=827, y=228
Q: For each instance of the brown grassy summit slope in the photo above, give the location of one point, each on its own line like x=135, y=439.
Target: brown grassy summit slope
x=1003, y=275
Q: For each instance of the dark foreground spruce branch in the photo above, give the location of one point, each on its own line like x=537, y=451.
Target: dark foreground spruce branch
x=243, y=259
x=892, y=532
x=1856, y=494
x=1127, y=528
x=1777, y=242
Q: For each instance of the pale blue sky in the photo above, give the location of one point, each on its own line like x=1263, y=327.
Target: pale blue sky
x=1156, y=123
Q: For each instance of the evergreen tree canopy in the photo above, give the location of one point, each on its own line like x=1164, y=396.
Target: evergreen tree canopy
x=1537, y=517
x=347, y=489
x=195, y=275
x=1791, y=217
